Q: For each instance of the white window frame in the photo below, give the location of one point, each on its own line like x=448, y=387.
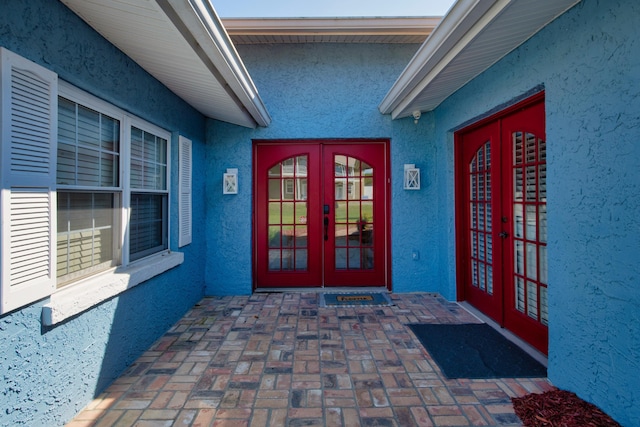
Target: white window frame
x=39, y=187
x=90, y=291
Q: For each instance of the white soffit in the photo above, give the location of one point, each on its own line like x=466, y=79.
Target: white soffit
x=183, y=44
x=474, y=35
x=330, y=30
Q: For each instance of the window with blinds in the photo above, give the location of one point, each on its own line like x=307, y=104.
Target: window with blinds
x=88, y=191
x=85, y=186
x=97, y=197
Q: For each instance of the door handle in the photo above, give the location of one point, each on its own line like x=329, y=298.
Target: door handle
x=326, y=228
x=504, y=234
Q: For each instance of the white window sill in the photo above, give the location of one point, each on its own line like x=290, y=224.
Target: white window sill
x=94, y=290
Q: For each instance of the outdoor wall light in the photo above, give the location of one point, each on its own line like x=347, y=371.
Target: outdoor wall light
x=230, y=182
x=411, y=177
x=416, y=116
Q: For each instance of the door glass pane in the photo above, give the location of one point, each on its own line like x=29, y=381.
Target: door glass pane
x=274, y=171
x=517, y=148
x=544, y=313
x=519, y=292
x=531, y=222
x=543, y=264
x=481, y=249
x=532, y=261
x=341, y=258
x=301, y=213
x=301, y=259
x=542, y=183
x=288, y=215
x=518, y=184
x=354, y=259
x=474, y=273
x=274, y=236
x=353, y=220
x=518, y=256
x=531, y=183
x=274, y=260
x=532, y=300
x=274, y=213
x=518, y=221
x=490, y=279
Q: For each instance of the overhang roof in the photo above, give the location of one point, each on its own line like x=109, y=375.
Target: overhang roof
x=184, y=45
x=330, y=30
x=472, y=36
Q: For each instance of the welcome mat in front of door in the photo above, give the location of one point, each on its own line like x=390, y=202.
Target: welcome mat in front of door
x=476, y=350
x=355, y=299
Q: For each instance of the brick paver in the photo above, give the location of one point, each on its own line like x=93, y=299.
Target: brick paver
x=278, y=359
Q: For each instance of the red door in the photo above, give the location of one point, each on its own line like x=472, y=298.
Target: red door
x=321, y=213
x=501, y=220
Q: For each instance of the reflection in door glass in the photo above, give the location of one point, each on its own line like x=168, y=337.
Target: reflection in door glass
x=530, y=225
x=288, y=246
x=353, y=217
x=480, y=221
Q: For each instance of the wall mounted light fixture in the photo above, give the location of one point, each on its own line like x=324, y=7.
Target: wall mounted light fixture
x=411, y=177
x=416, y=116
x=230, y=181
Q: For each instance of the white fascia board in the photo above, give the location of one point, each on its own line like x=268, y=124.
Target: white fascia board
x=461, y=24
x=204, y=31
x=332, y=26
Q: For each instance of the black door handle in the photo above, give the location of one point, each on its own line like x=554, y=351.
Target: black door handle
x=326, y=228
x=504, y=234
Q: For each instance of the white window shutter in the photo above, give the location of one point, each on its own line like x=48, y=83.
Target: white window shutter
x=184, y=192
x=28, y=133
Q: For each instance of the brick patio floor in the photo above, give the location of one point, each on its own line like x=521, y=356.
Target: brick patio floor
x=278, y=359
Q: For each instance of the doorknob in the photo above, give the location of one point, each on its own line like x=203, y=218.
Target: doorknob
x=504, y=234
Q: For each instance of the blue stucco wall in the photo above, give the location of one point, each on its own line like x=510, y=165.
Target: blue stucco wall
x=588, y=61
x=47, y=375
x=323, y=91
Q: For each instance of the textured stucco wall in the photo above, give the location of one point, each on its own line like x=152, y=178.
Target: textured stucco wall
x=588, y=61
x=323, y=91
x=47, y=375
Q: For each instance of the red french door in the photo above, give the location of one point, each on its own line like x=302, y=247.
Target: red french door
x=321, y=213
x=502, y=220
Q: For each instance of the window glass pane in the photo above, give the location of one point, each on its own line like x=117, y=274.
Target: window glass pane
x=148, y=161
x=86, y=235
x=88, y=146
x=148, y=224
x=88, y=129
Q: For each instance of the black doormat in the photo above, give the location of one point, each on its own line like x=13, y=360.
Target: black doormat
x=476, y=350
x=354, y=299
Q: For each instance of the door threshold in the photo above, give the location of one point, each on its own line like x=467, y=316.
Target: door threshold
x=526, y=347
x=336, y=289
